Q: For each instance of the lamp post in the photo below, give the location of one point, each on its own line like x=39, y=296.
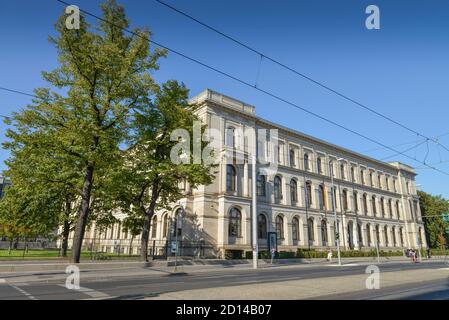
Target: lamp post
x=254, y=220
x=336, y=234
x=178, y=225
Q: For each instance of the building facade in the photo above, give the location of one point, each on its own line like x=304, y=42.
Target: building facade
x=376, y=203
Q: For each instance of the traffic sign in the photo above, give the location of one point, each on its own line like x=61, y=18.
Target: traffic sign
x=174, y=246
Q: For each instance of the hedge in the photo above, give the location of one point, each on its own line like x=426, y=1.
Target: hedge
x=308, y=254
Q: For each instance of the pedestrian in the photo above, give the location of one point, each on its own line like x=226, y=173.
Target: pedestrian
x=428, y=252
x=329, y=255
x=413, y=256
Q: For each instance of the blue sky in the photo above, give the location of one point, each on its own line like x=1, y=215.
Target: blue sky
x=401, y=70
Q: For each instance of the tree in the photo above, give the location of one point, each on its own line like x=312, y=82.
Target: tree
x=104, y=74
x=28, y=212
x=149, y=179
x=132, y=225
x=432, y=208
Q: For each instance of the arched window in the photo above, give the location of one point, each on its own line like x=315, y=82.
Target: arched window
x=382, y=206
x=398, y=214
x=321, y=199
x=277, y=190
x=334, y=198
x=356, y=202
x=319, y=165
x=262, y=226
x=235, y=223
x=350, y=235
x=379, y=181
x=230, y=137
x=345, y=199
x=310, y=231
x=390, y=208
x=154, y=227
x=359, y=233
x=352, y=174
x=280, y=227
x=365, y=203
x=368, y=234
x=362, y=176
x=401, y=237
x=377, y=234
x=230, y=178
x=387, y=182
x=308, y=194
x=324, y=232
x=371, y=180
x=293, y=191
x=386, y=236
x=342, y=171
x=306, y=161
x=393, y=231
x=407, y=187
x=165, y=226
x=373, y=203
x=261, y=185
x=292, y=158
x=295, y=229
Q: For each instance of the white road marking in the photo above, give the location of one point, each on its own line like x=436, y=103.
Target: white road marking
x=91, y=292
x=344, y=265
x=29, y=295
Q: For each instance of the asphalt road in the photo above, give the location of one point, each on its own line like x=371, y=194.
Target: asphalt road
x=137, y=287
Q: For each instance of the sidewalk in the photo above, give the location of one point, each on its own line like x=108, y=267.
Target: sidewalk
x=87, y=265
x=106, y=270
x=306, y=288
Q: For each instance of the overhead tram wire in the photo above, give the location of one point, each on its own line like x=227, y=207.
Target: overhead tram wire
x=291, y=69
x=270, y=94
x=406, y=150
x=17, y=92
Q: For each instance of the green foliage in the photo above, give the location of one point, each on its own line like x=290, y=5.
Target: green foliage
x=147, y=179
x=233, y=254
x=100, y=139
x=75, y=137
x=432, y=207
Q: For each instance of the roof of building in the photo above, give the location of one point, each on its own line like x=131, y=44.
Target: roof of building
x=250, y=110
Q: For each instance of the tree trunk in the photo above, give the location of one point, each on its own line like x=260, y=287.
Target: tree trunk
x=83, y=213
x=145, y=237
x=131, y=245
x=66, y=228
x=146, y=223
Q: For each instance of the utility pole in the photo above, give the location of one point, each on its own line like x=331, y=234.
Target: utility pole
x=336, y=235
x=254, y=215
x=307, y=214
x=178, y=225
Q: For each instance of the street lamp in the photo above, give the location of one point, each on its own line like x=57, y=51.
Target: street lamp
x=179, y=215
x=336, y=234
x=254, y=215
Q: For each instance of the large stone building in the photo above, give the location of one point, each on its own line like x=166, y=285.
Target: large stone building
x=376, y=202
